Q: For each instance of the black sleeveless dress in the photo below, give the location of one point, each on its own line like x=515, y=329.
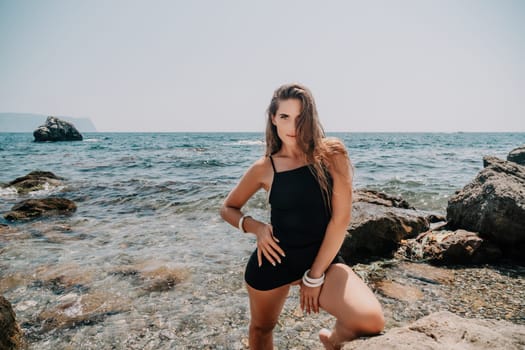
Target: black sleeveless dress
x=299, y=217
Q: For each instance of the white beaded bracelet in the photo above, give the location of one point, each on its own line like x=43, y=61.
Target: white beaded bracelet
x=312, y=282
x=241, y=222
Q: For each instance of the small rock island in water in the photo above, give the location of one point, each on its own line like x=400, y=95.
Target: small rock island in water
x=56, y=129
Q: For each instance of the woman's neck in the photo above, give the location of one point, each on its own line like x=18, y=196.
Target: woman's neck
x=292, y=152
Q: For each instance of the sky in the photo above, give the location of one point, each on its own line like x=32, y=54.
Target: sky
x=164, y=66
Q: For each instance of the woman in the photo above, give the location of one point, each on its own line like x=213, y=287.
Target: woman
x=309, y=180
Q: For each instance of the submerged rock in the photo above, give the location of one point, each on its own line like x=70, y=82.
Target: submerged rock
x=154, y=276
x=4, y=228
x=82, y=310
x=162, y=278
x=56, y=129
x=63, y=278
x=517, y=155
x=34, y=208
x=444, y=330
x=34, y=181
x=13, y=280
x=493, y=205
x=10, y=333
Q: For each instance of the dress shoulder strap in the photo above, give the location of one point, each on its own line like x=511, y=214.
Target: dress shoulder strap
x=273, y=165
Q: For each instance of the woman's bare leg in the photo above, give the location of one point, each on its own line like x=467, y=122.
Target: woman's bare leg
x=354, y=305
x=265, y=308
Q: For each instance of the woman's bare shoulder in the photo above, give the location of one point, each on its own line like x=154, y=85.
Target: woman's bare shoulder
x=260, y=168
x=262, y=164
x=261, y=171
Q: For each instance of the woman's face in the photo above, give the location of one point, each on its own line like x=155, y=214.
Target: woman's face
x=285, y=120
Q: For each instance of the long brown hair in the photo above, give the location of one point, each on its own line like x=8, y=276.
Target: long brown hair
x=310, y=135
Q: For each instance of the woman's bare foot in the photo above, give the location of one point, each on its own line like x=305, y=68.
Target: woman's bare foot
x=324, y=336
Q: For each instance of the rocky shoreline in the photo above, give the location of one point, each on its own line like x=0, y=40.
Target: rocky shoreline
x=485, y=222
x=473, y=275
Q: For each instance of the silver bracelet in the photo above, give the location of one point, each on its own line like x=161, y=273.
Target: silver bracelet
x=241, y=222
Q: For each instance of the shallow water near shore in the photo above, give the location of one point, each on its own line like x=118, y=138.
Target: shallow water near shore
x=148, y=211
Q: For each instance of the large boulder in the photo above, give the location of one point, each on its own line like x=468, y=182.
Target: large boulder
x=10, y=333
x=56, y=129
x=379, y=223
x=517, y=155
x=493, y=204
x=34, y=181
x=34, y=208
x=444, y=330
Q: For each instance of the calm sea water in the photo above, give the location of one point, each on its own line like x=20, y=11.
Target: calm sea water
x=155, y=197
x=146, y=174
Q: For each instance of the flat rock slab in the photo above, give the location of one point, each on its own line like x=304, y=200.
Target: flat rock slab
x=444, y=330
x=399, y=291
x=427, y=273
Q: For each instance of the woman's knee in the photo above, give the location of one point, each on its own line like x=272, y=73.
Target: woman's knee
x=262, y=328
x=377, y=322
x=364, y=322
x=373, y=322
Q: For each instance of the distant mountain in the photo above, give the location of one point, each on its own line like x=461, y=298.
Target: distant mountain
x=27, y=122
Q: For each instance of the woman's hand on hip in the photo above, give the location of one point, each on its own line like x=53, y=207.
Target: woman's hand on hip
x=267, y=245
x=310, y=298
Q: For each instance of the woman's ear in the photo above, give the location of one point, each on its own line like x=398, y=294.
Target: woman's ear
x=273, y=119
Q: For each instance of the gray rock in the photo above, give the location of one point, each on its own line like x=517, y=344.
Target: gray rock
x=517, y=155
x=34, y=208
x=450, y=247
x=56, y=129
x=10, y=333
x=377, y=230
x=444, y=330
x=493, y=205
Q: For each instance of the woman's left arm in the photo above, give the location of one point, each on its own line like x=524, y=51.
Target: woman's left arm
x=341, y=172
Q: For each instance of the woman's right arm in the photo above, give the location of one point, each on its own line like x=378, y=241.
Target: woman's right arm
x=230, y=211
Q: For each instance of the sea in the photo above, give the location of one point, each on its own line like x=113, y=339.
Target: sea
x=150, y=200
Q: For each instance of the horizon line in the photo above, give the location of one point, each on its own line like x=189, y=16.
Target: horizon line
x=262, y=132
